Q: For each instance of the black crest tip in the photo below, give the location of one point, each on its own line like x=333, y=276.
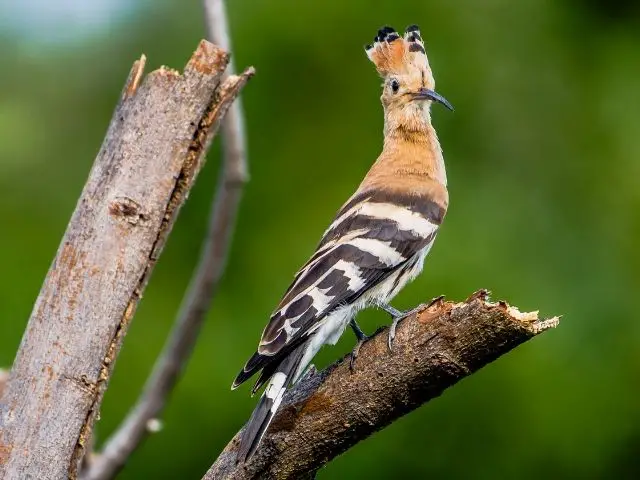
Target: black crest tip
x=413, y=28
x=416, y=47
x=392, y=37
x=384, y=32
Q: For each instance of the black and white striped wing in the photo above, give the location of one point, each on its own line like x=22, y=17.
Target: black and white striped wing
x=371, y=238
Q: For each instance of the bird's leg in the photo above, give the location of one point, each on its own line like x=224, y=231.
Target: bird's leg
x=397, y=315
x=394, y=312
x=361, y=336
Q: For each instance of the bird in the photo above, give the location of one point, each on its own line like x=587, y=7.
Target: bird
x=376, y=243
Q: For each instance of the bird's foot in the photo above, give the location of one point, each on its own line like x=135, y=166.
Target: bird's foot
x=397, y=316
x=362, y=337
x=355, y=352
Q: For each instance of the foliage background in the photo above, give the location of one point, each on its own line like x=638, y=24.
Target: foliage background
x=542, y=156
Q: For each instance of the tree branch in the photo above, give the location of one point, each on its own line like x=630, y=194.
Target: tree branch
x=203, y=285
x=329, y=412
x=233, y=131
x=151, y=155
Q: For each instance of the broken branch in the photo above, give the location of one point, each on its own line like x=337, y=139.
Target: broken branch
x=329, y=412
x=203, y=285
x=151, y=155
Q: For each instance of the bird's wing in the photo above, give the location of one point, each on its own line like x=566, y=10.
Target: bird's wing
x=373, y=235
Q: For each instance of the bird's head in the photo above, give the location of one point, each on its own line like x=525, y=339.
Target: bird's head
x=402, y=63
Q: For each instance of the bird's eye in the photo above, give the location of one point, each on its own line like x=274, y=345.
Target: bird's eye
x=395, y=85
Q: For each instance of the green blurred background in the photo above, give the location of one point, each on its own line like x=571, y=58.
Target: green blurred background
x=543, y=163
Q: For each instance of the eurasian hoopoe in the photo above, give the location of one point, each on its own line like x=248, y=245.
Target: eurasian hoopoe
x=377, y=242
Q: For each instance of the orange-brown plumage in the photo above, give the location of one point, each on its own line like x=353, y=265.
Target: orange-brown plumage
x=408, y=165
x=411, y=160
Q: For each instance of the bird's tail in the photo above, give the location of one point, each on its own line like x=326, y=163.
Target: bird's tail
x=284, y=373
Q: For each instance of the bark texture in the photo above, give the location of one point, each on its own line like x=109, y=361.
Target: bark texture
x=4, y=377
x=151, y=154
x=330, y=411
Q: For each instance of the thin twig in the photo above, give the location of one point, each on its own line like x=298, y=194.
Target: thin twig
x=328, y=412
x=233, y=130
x=203, y=284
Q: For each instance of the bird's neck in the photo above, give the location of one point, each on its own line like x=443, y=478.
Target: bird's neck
x=411, y=150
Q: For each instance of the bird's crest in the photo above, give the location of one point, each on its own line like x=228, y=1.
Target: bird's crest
x=393, y=55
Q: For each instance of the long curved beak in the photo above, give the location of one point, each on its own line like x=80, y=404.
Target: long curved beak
x=426, y=94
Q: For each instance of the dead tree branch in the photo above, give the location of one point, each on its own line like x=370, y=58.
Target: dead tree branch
x=329, y=412
x=203, y=285
x=151, y=155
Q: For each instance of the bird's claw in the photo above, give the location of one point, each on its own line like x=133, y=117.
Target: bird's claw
x=356, y=351
x=392, y=332
x=397, y=319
